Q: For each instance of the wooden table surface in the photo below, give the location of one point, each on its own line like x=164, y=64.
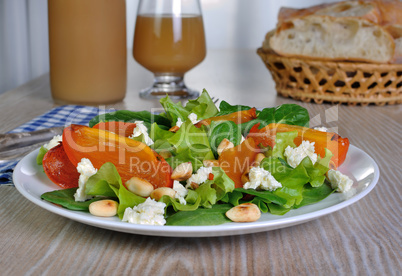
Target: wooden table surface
x=361, y=239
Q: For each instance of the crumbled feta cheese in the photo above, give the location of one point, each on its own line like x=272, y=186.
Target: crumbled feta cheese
x=139, y=129
x=149, y=212
x=193, y=118
x=54, y=142
x=296, y=155
x=181, y=192
x=86, y=170
x=199, y=177
x=261, y=179
x=179, y=122
x=342, y=183
x=323, y=129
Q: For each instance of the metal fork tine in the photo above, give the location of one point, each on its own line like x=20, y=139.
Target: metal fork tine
x=215, y=100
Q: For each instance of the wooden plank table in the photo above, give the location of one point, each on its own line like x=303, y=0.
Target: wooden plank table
x=362, y=239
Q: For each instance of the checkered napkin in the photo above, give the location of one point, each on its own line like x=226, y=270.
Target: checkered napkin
x=59, y=116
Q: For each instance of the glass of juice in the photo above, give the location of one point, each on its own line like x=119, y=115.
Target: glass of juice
x=169, y=40
x=88, y=51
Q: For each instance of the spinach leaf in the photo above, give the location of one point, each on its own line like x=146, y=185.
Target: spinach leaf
x=313, y=195
x=223, y=129
x=225, y=108
x=290, y=114
x=66, y=199
x=130, y=116
x=201, y=216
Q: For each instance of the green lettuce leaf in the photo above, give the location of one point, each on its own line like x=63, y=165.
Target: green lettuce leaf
x=41, y=154
x=203, y=106
x=106, y=182
x=214, y=190
x=187, y=136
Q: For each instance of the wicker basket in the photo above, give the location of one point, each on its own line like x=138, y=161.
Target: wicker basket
x=336, y=82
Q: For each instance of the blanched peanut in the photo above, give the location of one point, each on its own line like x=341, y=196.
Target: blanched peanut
x=103, y=208
x=210, y=163
x=246, y=212
x=244, y=177
x=174, y=128
x=182, y=172
x=139, y=186
x=224, y=145
x=258, y=158
x=331, y=165
x=159, y=192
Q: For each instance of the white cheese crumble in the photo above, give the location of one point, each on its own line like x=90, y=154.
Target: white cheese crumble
x=342, y=183
x=261, y=179
x=139, y=129
x=179, y=122
x=199, y=177
x=242, y=139
x=54, y=142
x=149, y=212
x=86, y=170
x=193, y=118
x=181, y=192
x=323, y=129
x=296, y=155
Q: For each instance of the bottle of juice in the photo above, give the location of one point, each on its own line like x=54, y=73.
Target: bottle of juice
x=88, y=51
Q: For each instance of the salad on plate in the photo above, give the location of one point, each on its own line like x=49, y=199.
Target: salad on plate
x=194, y=164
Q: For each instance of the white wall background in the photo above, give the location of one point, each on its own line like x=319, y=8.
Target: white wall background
x=228, y=24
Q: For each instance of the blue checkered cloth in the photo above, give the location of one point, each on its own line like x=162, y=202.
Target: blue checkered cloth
x=59, y=116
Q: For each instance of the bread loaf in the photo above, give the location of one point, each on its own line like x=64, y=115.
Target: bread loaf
x=366, y=10
x=333, y=38
x=365, y=30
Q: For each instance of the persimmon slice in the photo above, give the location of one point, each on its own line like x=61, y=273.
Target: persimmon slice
x=59, y=169
x=120, y=128
x=323, y=140
x=235, y=161
x=238, y=117
x=131, y=158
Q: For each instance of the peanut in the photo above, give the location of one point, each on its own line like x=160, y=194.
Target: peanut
x=159, y=192
x=246, y=212
x=174, y=128
x=210, y=163
x=103, y=208
x=244, y=177
x=224, y=145
x=259, y=157
x=139, y=186
x=182, y=172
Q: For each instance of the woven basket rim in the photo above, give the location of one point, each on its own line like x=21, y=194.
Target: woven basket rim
x=348, y=82
x=331, y=64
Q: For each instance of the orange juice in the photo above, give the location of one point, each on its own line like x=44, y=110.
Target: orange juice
x=87, y=45
x=169, y=44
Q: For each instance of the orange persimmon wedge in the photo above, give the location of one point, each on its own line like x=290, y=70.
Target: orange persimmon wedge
x=238, y=117
x=332, y=141
x=120, y=128
x=131, y=158
x=235, y=161
x=59, y=169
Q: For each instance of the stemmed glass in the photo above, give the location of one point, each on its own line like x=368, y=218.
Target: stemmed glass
x=169, y=40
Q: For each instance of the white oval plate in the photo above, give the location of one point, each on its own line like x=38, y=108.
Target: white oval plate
x=32, y=182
